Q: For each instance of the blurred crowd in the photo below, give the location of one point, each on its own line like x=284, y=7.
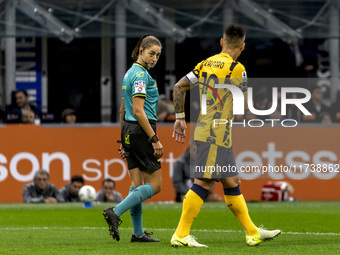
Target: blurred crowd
x=321, y=110
x=307, y=60
x=21, y=111
x=42, y=191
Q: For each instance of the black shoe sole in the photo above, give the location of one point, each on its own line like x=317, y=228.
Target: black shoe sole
x=114, y=233
x=153, y=241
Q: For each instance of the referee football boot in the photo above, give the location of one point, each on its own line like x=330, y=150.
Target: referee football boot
x=113, y=220
x=144, y=238
x=188, y=241
x=261, y=236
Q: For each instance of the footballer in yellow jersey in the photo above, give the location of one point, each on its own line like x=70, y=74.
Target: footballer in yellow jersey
x=214, y=147
x=220, y=69
x=215, y=157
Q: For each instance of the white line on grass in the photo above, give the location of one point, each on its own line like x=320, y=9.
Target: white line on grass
x=162, y=229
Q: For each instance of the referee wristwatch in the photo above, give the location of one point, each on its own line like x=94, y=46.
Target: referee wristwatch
x=153, y=139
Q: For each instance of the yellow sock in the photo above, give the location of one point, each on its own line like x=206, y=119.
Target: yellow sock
x=192, y=204
x=238, y=206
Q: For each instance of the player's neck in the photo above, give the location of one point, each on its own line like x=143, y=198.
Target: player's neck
x=234, y=53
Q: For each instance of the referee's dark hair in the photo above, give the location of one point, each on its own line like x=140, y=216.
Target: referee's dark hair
x=145, y=42
x=234, y=35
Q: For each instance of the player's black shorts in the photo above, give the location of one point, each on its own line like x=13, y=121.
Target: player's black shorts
x=214, y=162
x=138, y=151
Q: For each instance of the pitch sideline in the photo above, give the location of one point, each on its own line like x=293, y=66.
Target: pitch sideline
x=163, y=229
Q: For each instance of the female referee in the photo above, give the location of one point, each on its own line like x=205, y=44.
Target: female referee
x=140, y=144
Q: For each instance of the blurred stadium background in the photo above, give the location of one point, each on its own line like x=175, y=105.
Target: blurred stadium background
x=74, y=53
x=82, y=47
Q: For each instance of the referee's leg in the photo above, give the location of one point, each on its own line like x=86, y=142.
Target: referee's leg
x=136, y=211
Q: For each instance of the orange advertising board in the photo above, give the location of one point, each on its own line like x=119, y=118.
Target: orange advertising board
x=92, y=152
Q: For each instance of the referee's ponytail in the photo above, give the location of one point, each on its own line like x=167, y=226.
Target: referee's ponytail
x=145, y=42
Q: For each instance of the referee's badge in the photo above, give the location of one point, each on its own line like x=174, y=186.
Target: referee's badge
x=139, y=87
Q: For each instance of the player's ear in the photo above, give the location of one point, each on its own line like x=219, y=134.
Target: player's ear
x=221, y=42
x=242, y=47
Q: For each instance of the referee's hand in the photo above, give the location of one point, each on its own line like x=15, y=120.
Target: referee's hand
x=158, y=149
x=121, y=151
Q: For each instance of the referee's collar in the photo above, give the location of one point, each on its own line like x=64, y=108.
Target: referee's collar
x=137, y=64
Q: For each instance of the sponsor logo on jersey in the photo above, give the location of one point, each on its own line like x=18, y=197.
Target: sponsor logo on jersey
x=140, y=74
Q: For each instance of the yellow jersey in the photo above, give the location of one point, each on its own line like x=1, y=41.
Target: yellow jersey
x=218, y=69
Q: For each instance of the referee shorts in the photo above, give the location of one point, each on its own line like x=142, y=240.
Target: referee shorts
x=138, y=151
x=214, y=162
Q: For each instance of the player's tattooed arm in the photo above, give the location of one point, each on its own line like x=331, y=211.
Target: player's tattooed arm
x=180, y=88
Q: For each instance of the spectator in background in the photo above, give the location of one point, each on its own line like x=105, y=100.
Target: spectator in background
x=248, y=115
x=325, y=118
x=69, y=116
x=14, y=112
x=108, y=193
x=293, y=112
x=27, y=117
x=336, y=109
x=41, y=191
x=70, y=191
x=276, y=116
x=166, y=109
x=2, y=112
x=261, y=102
x=181, y=178
x=316, y=106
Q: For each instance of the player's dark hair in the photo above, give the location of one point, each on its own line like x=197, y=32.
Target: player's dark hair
x=145, y=42
x=77, y=178
x=234, y=35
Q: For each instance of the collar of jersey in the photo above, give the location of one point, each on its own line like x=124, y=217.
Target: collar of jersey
x=137, y=64
x=225, y=54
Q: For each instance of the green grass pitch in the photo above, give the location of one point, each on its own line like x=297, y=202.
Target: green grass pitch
x=308, y=228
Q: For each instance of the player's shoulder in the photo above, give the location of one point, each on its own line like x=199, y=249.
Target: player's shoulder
x=238, y=69
x=214, y=57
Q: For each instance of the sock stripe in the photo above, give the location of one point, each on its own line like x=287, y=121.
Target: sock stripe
x=232, y=191
x=200, y=191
